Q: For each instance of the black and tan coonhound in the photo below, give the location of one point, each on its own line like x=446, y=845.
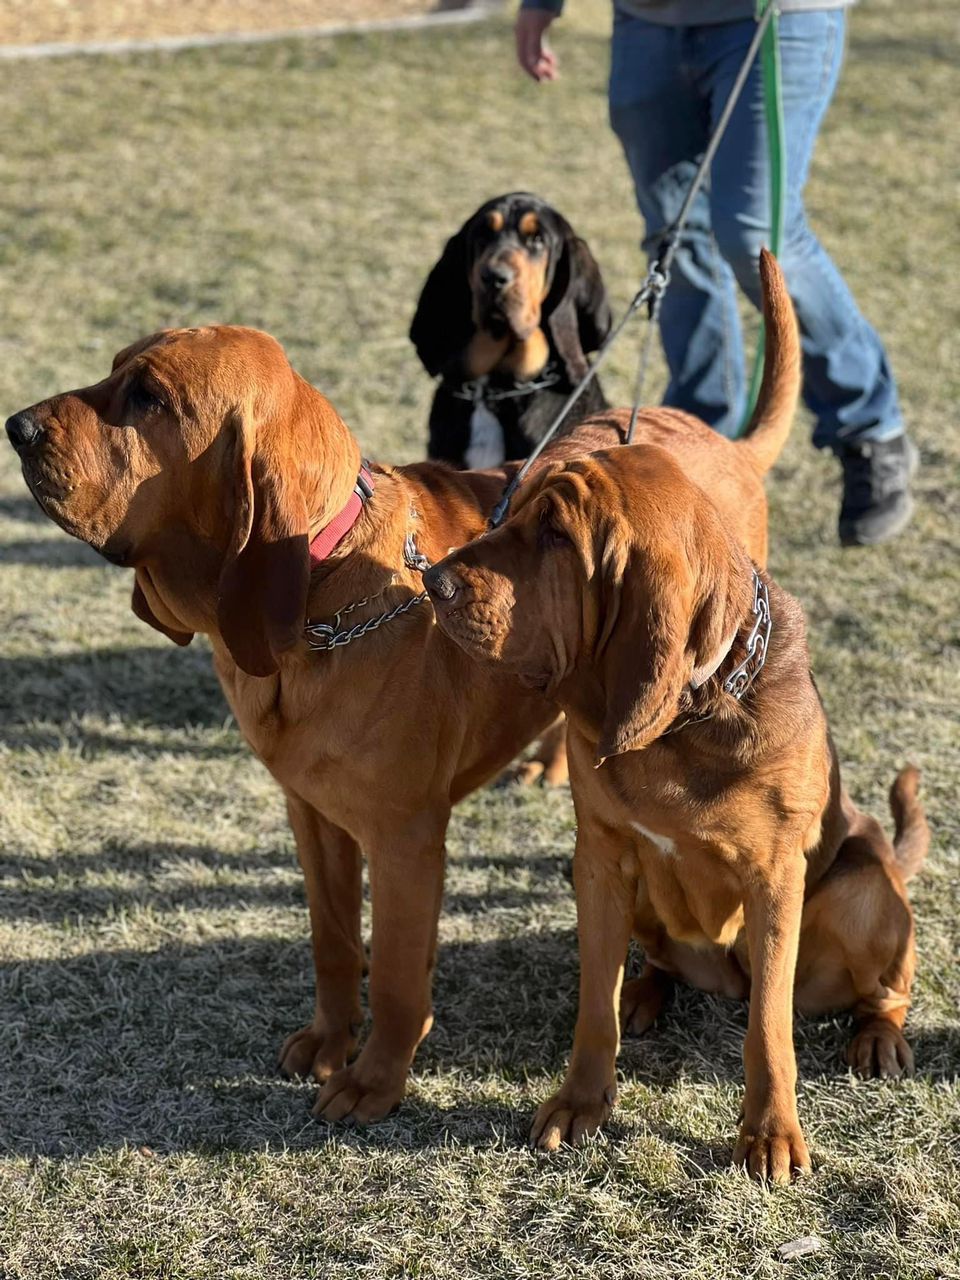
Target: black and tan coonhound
x=507, y=318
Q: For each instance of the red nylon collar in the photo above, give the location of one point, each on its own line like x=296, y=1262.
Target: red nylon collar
x=332, y=534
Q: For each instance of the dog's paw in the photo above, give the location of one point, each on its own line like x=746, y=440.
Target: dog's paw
x=360, y=1094
x=641, y=1000
x=550, y=772
x=773, y=1153
x=880, y=1049
x=571, y=1117
x=526, y=773
x=309, y=1052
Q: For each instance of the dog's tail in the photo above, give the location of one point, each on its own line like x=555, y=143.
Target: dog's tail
x=912, y=838
x=770, y=424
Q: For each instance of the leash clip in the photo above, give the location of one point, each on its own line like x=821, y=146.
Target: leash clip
x=413, y=558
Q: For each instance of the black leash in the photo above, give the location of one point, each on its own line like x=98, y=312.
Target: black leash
x=654, y=285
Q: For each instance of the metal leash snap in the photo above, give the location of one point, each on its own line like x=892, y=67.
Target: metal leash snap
x=473, y=392
x=413, y=558
x=321, y=635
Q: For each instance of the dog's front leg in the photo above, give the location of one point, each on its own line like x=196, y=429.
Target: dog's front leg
x=406, y=886
x=605, y=879
x=771, y=1143
x=331, y=865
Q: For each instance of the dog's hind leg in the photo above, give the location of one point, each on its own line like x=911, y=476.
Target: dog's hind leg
x=857, y=952
x=642, y=998
x=549, y=761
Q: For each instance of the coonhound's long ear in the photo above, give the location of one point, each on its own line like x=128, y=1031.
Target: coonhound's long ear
x=443, y=323
x=577, y=307
x=143, y=609
x=262, y=599
x=670, y=614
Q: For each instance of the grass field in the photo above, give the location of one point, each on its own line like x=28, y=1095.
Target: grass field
x=153, y=935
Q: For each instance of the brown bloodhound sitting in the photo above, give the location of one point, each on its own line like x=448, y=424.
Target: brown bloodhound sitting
x=711, y=819
x=507, y=318
x=235, y=492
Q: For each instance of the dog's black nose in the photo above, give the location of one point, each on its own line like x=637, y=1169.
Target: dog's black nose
x=495, y=276
x=23, y=430
x=441, y=583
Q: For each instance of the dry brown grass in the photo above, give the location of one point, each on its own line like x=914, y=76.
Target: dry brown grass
x=153, y=944
x=70, y=22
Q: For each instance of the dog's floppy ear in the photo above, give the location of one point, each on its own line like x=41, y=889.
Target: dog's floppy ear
x=262, y=595
x=577, y=308
x=669, y=618
x=134, y=349
x=443, y=323
x=642, y=649
x=142, y=608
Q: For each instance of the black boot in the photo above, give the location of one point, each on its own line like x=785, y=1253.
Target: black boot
x=876, y=490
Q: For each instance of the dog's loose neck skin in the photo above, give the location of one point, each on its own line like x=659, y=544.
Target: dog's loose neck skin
x=708, y=723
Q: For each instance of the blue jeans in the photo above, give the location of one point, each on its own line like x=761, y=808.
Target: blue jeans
x=668, y=86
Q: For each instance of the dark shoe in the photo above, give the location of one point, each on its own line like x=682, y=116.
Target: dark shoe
x=876, y=490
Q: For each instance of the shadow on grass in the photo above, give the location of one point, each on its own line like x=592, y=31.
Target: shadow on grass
x=146, y=858
x=64, y=898
x=174, y=1048
x=22, y=508
x=51, y=553
x=154, y=686
x=93, y=744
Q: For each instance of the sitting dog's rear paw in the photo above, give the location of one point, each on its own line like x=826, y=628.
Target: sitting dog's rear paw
x=526, y=772
x=880, y=1049
x=641, y=1000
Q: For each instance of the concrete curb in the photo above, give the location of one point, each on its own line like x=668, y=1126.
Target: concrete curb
x=173, y=44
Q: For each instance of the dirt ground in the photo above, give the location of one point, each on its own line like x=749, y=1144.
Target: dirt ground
x=69, y=21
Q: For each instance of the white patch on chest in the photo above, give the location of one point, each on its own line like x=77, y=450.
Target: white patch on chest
x=486, y=447
x=666, y=846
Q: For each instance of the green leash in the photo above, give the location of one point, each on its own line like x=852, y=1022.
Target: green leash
x=773, y=110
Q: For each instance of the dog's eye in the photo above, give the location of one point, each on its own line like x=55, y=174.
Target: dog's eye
x=535, y=242
x=551, y=536
x=141, y=400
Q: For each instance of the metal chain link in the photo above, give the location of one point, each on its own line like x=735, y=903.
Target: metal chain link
x=323, y=636
x=478, y=391
x=656, y=283
x=742, y=677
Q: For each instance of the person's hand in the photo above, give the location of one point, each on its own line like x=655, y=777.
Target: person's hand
x=534, y=55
